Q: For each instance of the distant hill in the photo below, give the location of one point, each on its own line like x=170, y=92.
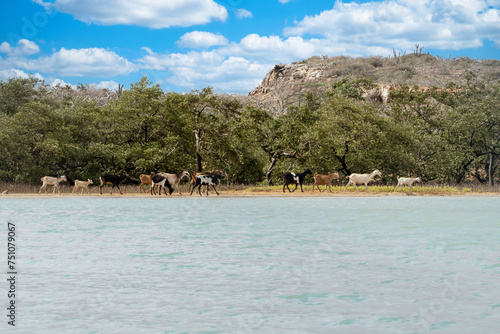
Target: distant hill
x=291, y=82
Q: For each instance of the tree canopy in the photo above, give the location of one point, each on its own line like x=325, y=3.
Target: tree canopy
x=443, y=134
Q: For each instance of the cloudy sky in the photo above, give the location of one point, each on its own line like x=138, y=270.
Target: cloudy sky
x=227, y=44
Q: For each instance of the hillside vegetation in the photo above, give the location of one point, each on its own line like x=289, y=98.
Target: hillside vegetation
x=446, y=133
x=288, y=84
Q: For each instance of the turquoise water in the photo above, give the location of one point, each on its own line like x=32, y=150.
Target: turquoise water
x=256, y=265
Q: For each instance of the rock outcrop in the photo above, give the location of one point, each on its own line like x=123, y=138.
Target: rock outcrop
x=317, y=74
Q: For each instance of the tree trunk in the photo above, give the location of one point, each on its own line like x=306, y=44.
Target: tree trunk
x=459, y=177
x=274, y=158
x=477, y=174
x=198, y=162
x=198, y=149
x=490, y=171
x=342, y=159
x=462, y=173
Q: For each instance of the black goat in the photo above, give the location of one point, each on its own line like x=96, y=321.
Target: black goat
x=291, y=178
x=114, y=180
x=206, y=180
x=162, y=181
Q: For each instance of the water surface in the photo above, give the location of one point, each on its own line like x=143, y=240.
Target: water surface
x=256, y=265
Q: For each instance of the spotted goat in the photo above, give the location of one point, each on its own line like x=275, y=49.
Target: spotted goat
x=295, y=178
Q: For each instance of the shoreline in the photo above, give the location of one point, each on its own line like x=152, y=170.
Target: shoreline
x=250, y=194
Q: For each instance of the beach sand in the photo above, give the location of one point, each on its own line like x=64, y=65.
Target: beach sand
x=266, y=193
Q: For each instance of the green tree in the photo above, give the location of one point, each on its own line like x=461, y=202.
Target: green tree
x=423, y=118
x=472, y=129
x=209, y=118
x=135, y=130
x=17, y=92
x=288, y=136
x=34, y=142
x=248, y=135
x=356, y=136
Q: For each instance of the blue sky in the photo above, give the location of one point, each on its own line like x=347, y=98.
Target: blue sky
x=229, y=44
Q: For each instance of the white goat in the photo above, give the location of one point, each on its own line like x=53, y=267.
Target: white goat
x=355, y=179
x=82, y=185
x=160, y=181
x=408, y=181
x=175, y=179
x=51, y=181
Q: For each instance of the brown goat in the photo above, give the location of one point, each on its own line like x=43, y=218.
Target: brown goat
x=145, y=180
x=324, y=180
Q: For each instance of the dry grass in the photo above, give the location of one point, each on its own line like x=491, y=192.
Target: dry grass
x=24, y=188
x=466, y=189
x=423, y=190
x=414, y=69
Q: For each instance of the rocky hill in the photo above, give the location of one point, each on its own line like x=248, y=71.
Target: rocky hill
x=289, y=83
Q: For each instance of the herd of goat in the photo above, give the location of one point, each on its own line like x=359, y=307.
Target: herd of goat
x=199, y=179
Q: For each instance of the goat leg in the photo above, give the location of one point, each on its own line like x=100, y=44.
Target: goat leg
x=215, y=190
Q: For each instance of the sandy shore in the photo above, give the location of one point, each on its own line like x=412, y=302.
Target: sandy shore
x=243, y=193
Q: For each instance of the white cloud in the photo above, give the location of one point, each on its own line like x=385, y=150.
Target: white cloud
x=24, y=48
x=155, y=61
x=15, y=73
x=5, y=48
x=59, y=82
x=155, y=14
x=78, y=62
x=243, y=13
x=111, y=85
x=240, y=66
x=206, y=68
x=284, y=1
x=201, y=40
x=234, y=74
x=274, y=49
x=354, y=29
x=447, y=24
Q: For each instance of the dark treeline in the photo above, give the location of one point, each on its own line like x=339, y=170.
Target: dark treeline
x=446, y=135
